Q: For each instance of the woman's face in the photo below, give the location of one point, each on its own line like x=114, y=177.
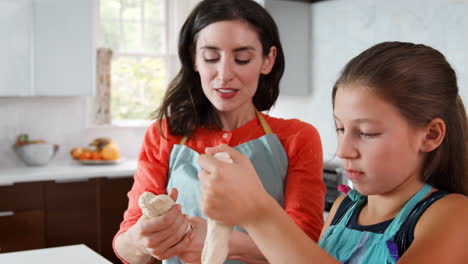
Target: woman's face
x=229, y=59
x=379, y=148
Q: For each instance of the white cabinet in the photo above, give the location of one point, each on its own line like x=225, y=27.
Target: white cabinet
x=64, y=49
x=50, y=48
x=294, y=23
x=15, y=47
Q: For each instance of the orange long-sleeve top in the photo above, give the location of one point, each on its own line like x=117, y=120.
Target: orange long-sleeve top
x=304, y=188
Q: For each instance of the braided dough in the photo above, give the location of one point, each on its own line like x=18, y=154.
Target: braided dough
x=215, y=249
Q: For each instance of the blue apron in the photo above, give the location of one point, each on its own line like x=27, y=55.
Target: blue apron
x=266, y=154
x=358, y=247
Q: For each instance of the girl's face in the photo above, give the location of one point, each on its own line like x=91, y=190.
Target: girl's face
x=229, y=59
x=379, y=148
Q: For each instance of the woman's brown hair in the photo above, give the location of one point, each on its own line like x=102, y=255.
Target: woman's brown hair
x=185, y=106
x=422, y=85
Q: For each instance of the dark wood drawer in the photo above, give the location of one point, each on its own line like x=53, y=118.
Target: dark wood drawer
x=22, y=230
x=71, y=214
x=21, y=196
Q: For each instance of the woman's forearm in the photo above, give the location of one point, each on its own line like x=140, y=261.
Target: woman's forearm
x=126, y=249
x=281, y=240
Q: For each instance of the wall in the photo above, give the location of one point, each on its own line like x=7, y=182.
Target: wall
x=341, y=29
x=58, y=120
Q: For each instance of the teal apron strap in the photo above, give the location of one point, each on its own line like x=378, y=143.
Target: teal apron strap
x=401, y=217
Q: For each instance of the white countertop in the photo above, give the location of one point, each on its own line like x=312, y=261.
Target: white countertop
x=72, y=171
x=76, y=254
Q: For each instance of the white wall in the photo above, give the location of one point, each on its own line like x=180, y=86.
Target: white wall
x=341, y=29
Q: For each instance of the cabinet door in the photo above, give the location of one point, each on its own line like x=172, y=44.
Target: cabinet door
x=71, y=214
x=15, y=47
x=21, y=230
x=21, y=217
x=65, y=50
x=113, y=203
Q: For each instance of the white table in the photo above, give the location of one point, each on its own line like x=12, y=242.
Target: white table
x=76, y=254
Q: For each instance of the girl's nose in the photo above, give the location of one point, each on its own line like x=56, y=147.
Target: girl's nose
x=346, y=148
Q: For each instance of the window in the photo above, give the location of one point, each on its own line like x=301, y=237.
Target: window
x=142, y=35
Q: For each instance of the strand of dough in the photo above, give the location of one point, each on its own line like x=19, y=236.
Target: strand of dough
x=216, y=249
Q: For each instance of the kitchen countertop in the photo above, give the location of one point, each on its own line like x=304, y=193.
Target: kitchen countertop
x=72, y=171
x=76, y=254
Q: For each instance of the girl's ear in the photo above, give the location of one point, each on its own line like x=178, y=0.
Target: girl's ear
x=434, y=135
x=269, y=61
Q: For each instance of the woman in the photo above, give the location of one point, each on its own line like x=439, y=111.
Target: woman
x=232, y=62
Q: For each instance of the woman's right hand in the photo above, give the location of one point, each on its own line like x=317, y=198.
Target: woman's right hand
x=164, y=236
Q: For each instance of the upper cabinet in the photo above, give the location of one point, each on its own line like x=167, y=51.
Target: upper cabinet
x=294, y=24
x=15, y=47
x=54, y=47
x=65, y=52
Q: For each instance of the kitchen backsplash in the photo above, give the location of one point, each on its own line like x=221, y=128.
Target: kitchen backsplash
x=58, y=120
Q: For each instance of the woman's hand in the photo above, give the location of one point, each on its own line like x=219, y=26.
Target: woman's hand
x=231, y=193
x=192, y=252
x=162, y=237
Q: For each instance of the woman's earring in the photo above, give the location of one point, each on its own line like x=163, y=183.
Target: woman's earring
x=424, y=147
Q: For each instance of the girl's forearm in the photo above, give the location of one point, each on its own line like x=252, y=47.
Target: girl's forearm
x=242, y=248
x=281, y=240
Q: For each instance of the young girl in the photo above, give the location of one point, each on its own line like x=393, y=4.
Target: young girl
x=402, y=136
x=232, y=63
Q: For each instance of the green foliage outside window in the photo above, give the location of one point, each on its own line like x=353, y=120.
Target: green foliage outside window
x=138, y=85
x=135, y=31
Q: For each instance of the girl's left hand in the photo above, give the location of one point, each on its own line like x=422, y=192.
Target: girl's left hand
x=231, y=193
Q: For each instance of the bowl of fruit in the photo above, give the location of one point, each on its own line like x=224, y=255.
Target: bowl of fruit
x=99, y=151
x=34, y=152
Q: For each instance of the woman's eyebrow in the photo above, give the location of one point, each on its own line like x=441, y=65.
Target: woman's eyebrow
x=208, y=47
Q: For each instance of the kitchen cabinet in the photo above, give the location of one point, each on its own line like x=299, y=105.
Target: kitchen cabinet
x=64, y=47
x=49, y=49
x=15, y=47
x=111, y=207
x=71, y=213
x=46, y=214
x=22, y=214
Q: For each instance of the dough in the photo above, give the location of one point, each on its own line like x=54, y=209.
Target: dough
x=216, y=248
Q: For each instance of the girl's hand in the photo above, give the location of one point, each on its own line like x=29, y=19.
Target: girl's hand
x=231, y=193
x=157, y=236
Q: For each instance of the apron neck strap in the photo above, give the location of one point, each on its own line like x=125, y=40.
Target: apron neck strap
x=409, y=206
x=263, y=123
x=261, y=119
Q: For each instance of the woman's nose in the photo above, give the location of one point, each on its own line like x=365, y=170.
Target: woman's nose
x=225, y=71
x=346, y=148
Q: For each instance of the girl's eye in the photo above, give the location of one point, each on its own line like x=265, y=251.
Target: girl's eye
x=339, y=130
x=242, y=62
x=369, y=135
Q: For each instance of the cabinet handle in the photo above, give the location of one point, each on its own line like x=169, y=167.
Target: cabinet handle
x=7, y=213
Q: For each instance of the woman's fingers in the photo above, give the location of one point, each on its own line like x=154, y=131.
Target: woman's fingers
x=174, y=194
